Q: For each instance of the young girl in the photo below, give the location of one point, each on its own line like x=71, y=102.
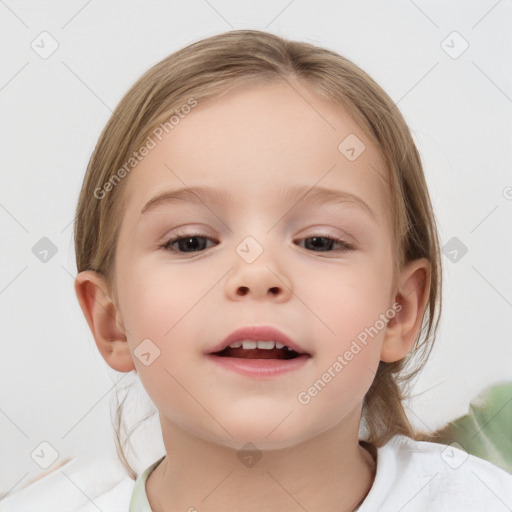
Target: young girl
x=255, y=239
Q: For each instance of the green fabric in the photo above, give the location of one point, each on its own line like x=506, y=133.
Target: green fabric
x=486, y=431
x=139, y=501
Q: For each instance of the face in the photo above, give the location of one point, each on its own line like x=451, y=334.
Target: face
x=322, y=272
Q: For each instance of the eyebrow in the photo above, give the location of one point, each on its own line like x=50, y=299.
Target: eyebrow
x=298, y=194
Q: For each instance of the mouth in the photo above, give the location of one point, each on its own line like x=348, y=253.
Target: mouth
x=258, y=350
x=258, y=342
x=259, y=359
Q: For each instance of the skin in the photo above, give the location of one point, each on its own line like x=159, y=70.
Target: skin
x=253, y=142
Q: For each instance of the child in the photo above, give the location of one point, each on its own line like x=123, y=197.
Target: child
x=255, y=239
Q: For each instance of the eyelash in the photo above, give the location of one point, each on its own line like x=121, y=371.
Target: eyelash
x=166, y=246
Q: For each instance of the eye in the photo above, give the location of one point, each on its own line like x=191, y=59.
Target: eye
x=190, y=243
x=186, y=243
x=325, y=244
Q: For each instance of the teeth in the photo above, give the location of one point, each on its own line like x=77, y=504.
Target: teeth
x=266, y=345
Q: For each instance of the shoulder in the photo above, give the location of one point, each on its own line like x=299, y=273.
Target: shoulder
x=422, y=475
x=85, y=483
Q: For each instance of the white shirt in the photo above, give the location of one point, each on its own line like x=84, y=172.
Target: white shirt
x=411, y=476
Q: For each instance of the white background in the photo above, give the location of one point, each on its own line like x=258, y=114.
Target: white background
x=55, y=387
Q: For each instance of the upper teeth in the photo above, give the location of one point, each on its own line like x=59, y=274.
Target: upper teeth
x=249, y=344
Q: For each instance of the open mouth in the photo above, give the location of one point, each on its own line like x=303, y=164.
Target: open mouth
x=260, y=359
x=257, y=353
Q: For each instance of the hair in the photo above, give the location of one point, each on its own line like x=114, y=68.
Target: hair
x=212, y=67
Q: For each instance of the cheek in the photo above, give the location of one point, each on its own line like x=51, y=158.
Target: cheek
x=349, y=311
x=345, y=300
x=348, y=333
x=157, y=298
x=162, y=312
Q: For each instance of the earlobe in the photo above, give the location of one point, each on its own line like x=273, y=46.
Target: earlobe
x=104, y=320
x=411, y=298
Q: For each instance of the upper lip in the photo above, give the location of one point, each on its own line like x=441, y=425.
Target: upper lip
x=257, y=333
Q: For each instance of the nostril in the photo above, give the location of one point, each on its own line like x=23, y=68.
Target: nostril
x=243, y=290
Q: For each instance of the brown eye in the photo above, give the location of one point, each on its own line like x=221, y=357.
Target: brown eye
x=186, y=244
x=325, y=244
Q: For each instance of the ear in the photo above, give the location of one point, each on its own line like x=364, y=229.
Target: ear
x=104, y=320
x=411, y=298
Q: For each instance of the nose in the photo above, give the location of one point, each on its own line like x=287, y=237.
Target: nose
x=258, y=280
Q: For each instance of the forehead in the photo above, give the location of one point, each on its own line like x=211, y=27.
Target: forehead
x=255, y=141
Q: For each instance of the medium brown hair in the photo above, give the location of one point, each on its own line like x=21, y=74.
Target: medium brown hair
x=212, y=67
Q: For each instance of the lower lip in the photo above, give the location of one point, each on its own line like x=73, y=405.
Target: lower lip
x=260, y=367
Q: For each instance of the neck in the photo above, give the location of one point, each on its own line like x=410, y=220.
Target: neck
x=329, y=472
